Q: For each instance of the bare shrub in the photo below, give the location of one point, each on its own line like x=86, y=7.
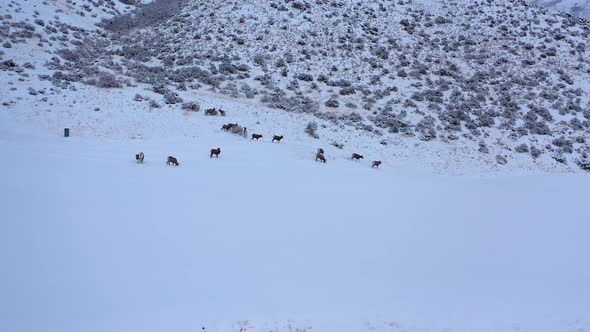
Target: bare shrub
x=311, y=129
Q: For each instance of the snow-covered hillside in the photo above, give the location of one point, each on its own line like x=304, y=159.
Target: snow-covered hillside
x=504, y=83
x=580, y=8
x=265, y=239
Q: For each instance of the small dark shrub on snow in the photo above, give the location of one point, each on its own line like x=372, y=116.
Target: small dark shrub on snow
x=523, y=148
x=107, y=80
x=347, y=91
x=566, y=145
x=191, y=107
x=483, y=148
x=535, y=152
x=171, y=97
x=584, y=164
x=311, y=129
x=501, y=160
x=305, y=77
x=333, y=103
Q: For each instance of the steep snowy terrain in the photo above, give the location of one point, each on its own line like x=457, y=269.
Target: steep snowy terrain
x=579, y=8
x=503, y=82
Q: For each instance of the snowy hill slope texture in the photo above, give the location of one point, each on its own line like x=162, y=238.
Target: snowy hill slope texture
x=580, y=8
x=265, y=239
x=501, y=79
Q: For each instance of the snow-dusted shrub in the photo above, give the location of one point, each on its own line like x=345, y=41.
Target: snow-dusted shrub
x=154, y=104
x=351, y=105
x=107, y=80
x=171, y=97
x=305, y=77
x=69, y=55
x=535, y=152
x=537, y=127
x=332, y=102
x=248, y=91
x=259, y=60
x=390, y=121
x=501, y=160
x=576, y=124
x=339, y=83
x=382, y=53
x=337, y=145
x=135, y=52
x=583, y=163
x=138, y=97
x=483, y=148
x=311, y=129
x=297, y=104
x=347, y=91
x=566, y=145
x=191, y=106
x=558, y=156
x=227, y=68
x=523, y=148
x=428, y=134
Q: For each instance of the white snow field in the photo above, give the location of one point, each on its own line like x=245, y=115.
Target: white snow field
x=265, y=239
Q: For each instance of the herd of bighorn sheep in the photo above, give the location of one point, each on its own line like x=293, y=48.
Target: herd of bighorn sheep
x=236, y=129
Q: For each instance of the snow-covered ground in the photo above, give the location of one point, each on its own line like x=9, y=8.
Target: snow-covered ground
x=265, y=239
x=579, y=8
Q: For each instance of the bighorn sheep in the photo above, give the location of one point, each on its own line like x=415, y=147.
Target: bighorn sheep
x=172, y=160
x=215, y=152
x=139, y=157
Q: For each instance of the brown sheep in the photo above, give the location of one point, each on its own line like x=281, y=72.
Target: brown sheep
x=356, y=156
x=215, y=152
x=172, y=160
x=211, y=111
x=139, y=157
x=376, y=163
x=320, y=156
x=256, y=136
x=227, y=127
x=277, y=138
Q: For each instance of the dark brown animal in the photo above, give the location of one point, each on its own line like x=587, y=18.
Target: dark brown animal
x=376, y=163
x=215, y=152
x=211, y=111
x=221, y=112
x=256, y=136
x=172, y=160
x=320, y=156
x=227, y=127
x=277, y=138
x=139, y=157
x=356, y=156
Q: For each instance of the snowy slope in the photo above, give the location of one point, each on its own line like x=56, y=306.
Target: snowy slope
x=501, y=87
x=266, y=239
x=580, y=8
